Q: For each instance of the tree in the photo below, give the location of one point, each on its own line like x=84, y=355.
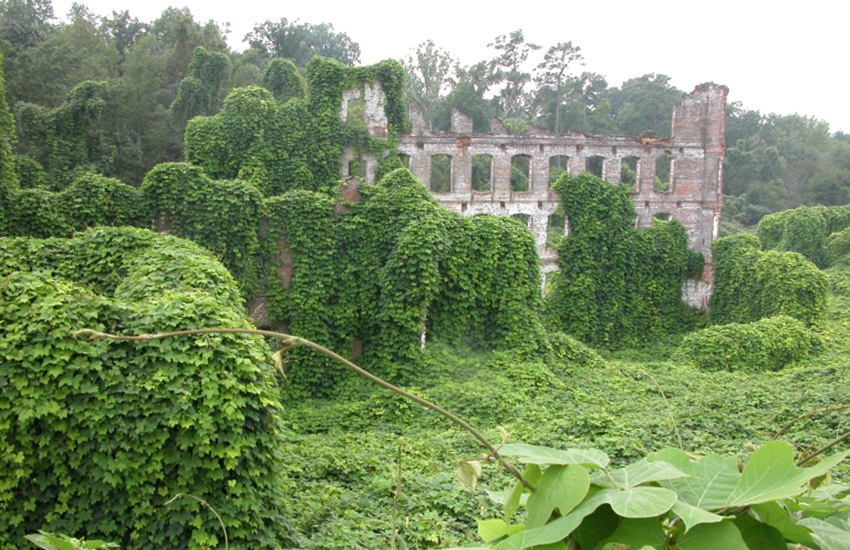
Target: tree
x=467, y=96
x=554, y=74
x=24, y=23
x=644, y=104
x=431, y=74
x=282, y=79
x=125, y=31
x=300, y=42
x=507, y=68
x=199, y=92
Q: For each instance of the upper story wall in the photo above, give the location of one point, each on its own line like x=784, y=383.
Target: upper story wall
x=691, y=162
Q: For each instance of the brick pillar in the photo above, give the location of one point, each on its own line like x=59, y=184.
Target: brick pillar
x=539, y=175
x=611, y=169
x=462, y=172
x=502, y=177
x=420, y=166
x=577, y=164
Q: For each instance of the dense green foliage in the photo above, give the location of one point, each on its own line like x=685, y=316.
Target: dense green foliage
x=618, y=286
x=397, y=264
x=804, y=230
x=98, y=435
x=750, y=284
x=766, y=344
x=293, y=145
x=198, y=93
x=7, y=136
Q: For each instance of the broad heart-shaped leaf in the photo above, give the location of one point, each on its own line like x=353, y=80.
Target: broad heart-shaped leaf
x=638, y=473
x=640, y=502
x=712, y=478
x=492, y=529
x=693, y=516
x=535, y=454
x=468, y=473
x=556, y=530
x=712, y=536
x=759, y=535
x=771, y=474
x=561, y=487
x=638, y=533
x=777, y=517
x=532, y=474
x=829, y=534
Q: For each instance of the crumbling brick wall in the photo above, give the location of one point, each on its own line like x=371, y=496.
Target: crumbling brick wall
x=695, y=149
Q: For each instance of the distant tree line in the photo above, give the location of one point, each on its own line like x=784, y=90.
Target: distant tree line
x=113, y=95
x=773, y=162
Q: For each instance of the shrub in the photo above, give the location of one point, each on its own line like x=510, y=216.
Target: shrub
x=98, y=435
x=750, y=284
x=768, y=344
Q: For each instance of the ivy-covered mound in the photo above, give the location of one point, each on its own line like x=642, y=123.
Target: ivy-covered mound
x=295, y=143
x=618, y=286
x=806, y=230
x=750, y=284
x=98, y=435
x=767, y=344
x=396, y=265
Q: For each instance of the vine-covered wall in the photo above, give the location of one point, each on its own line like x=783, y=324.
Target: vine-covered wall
x=617, y=286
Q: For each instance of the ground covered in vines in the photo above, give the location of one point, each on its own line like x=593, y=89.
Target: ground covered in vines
x=345, y=455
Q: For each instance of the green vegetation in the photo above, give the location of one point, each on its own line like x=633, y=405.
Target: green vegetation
x=769, y=343
x=618, y=286
x=96, y=437
x=751, y=284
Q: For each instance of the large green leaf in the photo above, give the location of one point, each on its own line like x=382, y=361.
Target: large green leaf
x=638, y=473
x=561, y=487
x=829, y=534
x=712, y=536
x=641, y=502
x=712, y=478
x=556, y=530
x=535, y=454
x=692, y=516
x=493, y=529
x=532, y=474
x=777, y=517
x=759, y=535
x=771, y=474
x=638, y=533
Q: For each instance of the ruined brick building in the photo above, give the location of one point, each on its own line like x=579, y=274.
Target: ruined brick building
x=677, y=178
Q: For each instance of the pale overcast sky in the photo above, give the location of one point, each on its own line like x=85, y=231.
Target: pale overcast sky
x=774, y=56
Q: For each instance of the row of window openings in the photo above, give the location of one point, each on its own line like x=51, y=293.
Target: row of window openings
x=556, y=225
x=441, y=171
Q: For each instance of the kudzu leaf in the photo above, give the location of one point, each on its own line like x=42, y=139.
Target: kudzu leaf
x=712, y=478
x=641, y=502
x=692, y=516
x=535, y=454
x=638, y=473
x=759, y=535
x=561, y=487
x=712, y=536
x=829, y=534
x=638, y=533
x=468, y=473
x=771, y=474
x=776, y=516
